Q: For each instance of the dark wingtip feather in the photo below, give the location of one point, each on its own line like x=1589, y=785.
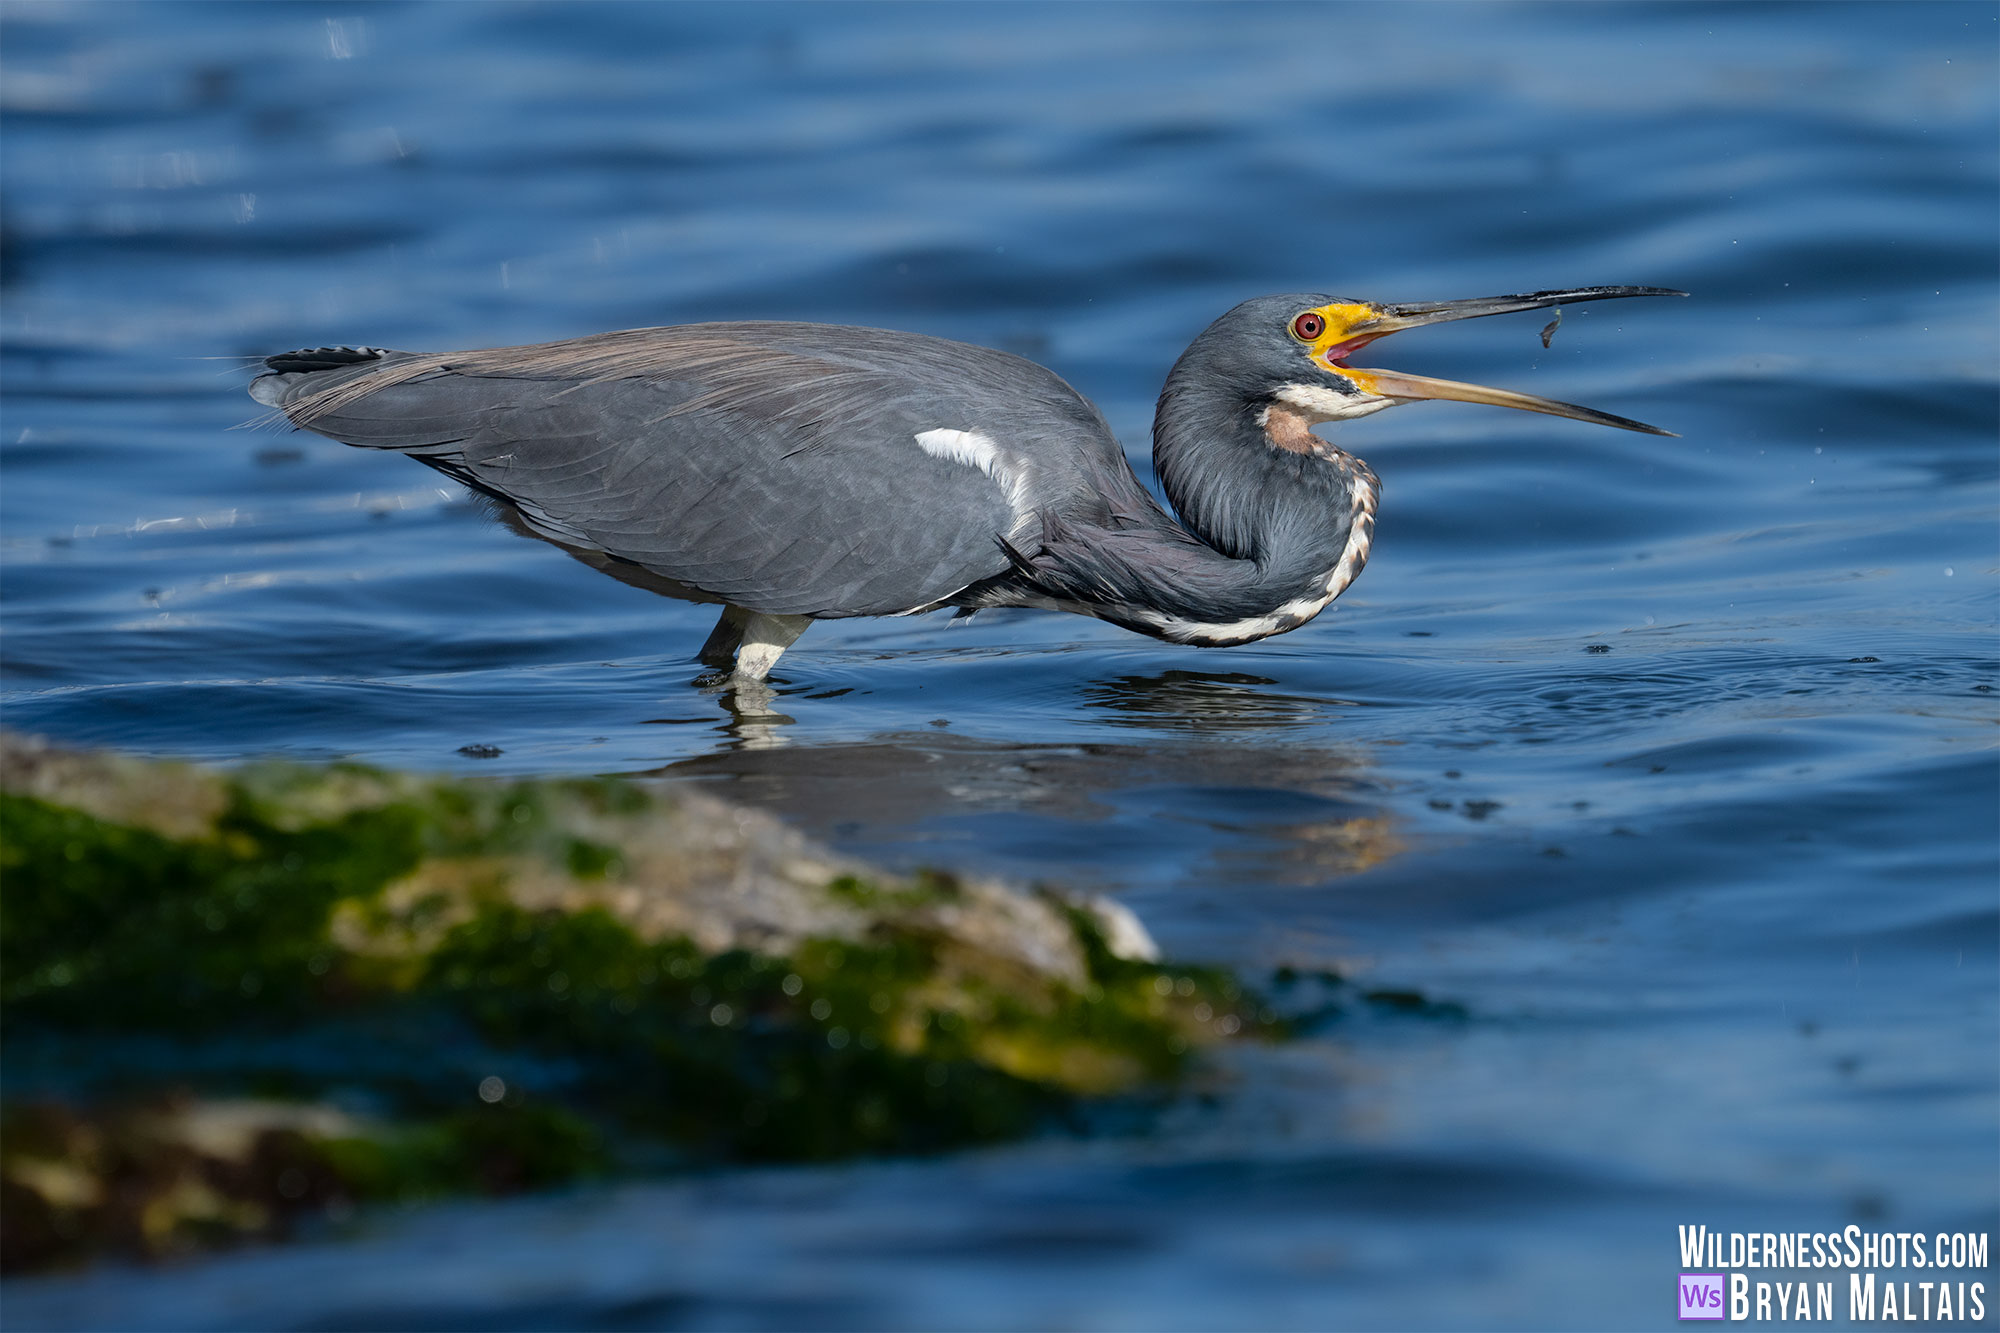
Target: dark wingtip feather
x=309, y=359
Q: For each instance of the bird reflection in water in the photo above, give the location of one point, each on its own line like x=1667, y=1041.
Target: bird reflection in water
x=1225, y=787
x=1256, y=811
x=754, y=722
x=1203, y=700
x=750, y=716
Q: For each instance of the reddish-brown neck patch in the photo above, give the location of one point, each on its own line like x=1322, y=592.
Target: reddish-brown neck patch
x=1290, y=429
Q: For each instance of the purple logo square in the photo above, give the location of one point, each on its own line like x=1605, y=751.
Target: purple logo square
x=1701, y=1295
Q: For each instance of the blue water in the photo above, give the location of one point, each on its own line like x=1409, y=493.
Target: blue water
x=1670, y=760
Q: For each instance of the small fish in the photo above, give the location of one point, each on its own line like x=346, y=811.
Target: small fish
x=1549, y=329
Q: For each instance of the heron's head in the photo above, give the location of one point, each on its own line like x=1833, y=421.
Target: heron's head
x=1291, y=354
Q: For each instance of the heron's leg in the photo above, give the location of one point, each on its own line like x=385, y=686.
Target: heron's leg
x=725, y=638
x=765, y=639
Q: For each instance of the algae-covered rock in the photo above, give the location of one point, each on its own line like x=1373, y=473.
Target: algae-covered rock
x=232, y=1000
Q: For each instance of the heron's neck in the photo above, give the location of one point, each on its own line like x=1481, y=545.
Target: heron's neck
x=1292, y=514
x=1271, y=530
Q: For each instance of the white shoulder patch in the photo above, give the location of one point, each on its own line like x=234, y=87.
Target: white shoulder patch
x=961, y=446
x=975, y=451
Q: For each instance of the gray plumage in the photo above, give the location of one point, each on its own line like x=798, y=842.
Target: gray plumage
x=815, y=471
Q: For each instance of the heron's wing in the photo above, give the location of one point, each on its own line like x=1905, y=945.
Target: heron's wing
x=775, y=466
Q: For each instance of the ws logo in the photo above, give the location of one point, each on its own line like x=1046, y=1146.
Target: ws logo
x=1701, y=1295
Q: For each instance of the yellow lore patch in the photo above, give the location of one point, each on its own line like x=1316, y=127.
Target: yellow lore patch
x=1342, y=320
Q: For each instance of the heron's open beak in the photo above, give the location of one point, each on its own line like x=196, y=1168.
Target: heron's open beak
x=1352, y=327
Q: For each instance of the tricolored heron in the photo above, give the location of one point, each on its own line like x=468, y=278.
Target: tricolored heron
x=801, y=472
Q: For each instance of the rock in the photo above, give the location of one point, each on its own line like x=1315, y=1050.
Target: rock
x=471, y=984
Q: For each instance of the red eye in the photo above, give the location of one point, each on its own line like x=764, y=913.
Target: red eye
x=1308, y=327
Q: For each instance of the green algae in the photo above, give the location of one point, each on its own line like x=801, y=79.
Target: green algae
x=106, y=923
x=487, y=986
